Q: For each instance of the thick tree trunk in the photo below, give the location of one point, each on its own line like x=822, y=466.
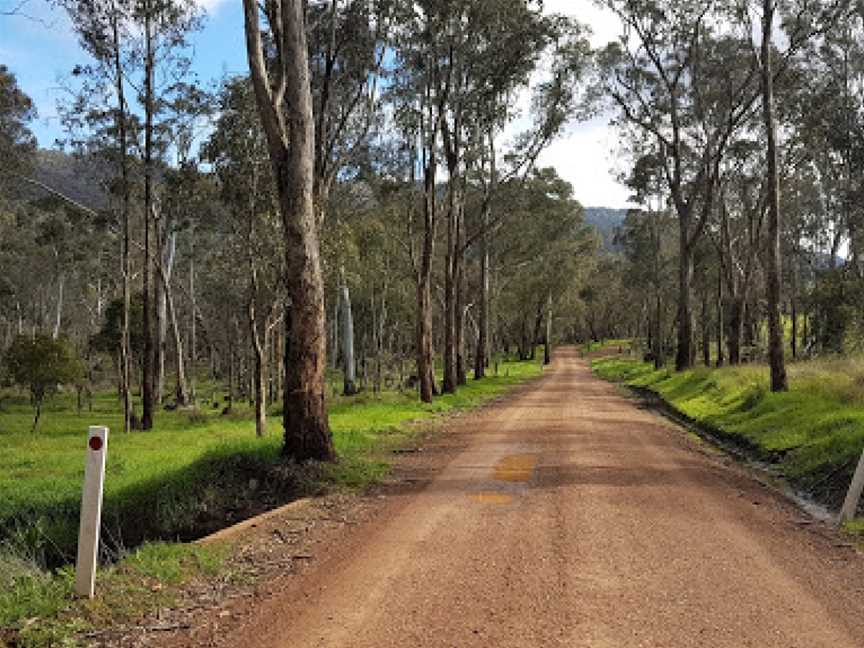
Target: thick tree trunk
x=425, y=369
x=779, y=382
x=147, y=366
x=289, y=124
x=538, y=325
x=424, y=341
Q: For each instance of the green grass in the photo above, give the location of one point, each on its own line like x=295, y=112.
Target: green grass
x=814, y=433
x=147, y=578
x=607, y=345
x=175, y=482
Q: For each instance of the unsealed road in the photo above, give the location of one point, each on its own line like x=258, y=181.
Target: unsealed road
x=572, y=517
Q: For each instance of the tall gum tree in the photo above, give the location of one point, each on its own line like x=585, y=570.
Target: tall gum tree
x=663, y=77
x=284, y=98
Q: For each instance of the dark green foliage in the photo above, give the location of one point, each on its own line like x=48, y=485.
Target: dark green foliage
x=40, y=364
x=17, y=143
x=109, y=336
x=837, y=302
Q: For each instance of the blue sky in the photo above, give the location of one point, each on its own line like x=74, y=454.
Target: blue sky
x=42, y=48
x=42, y=51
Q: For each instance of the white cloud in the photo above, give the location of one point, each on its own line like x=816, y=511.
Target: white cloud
x=586, y=155
x=210, y=6
x=604, y=24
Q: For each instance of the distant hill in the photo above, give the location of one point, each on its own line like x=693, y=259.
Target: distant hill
x=82, y=180
x=606, y=221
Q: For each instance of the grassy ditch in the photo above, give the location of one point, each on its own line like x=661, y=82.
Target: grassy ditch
x=197, y=472
x=813, y=434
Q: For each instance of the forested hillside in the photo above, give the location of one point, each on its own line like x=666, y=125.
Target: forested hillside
x=606, y=221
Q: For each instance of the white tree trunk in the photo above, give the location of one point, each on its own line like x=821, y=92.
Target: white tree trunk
x=61, y=284
x=348, y=341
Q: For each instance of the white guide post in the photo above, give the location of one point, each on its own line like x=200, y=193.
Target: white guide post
x=91, y=512
x=850, y=505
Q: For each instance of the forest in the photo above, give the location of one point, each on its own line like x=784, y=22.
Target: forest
x=362, y=218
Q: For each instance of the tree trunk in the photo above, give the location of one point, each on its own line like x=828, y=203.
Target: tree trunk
x=289, y=124
x=259, y=386
x=459, y=305
x=547, y=346
x=181, y=389
x=58, y=317
x=167, y=244
x=450, y=379
x=684, y=353
x=720, y=315
x=779, y=382
x=706, y=331
x=425, y=370
x=147, y=368
x=481, y=356
x=349, y=365
x=193, y=333
x=659, y=358
x=735, y=328
x=425, y=343
x=159, y=324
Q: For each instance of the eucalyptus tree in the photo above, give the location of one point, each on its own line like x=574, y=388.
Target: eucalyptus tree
x=138, y=61
x=281, y=79
x=646, y=238
x=738, y=235
x=17, y=143
x=779, y=381
x=683, y=77
x=545, y=251
x=460, y=64
x=802, y=23
x=237, y=150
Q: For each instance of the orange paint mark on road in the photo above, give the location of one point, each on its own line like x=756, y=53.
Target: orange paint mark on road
x=491, y=498
x=516, y=468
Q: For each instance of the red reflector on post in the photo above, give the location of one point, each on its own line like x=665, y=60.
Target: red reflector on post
x=95, y=443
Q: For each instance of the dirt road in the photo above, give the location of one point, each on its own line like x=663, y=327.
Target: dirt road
x=572, y=517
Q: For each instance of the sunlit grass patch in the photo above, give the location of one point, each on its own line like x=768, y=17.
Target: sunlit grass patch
x=814, y=433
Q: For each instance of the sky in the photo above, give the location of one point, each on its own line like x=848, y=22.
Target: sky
x=41, y=48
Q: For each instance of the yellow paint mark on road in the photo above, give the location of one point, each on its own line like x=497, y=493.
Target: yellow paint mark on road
x=516, y=468
x=491, y=498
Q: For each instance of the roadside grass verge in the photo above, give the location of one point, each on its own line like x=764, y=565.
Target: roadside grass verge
x=813, y=434
x=38, y=609
x=620, y=346
x=196, y=473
